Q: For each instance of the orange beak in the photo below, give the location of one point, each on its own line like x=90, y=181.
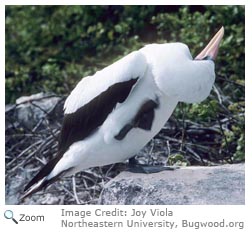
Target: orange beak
x=211, y=50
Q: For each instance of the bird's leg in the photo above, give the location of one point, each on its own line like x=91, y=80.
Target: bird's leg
x=136, y=167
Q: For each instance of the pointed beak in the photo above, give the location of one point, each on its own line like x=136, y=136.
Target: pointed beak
x=211, y=50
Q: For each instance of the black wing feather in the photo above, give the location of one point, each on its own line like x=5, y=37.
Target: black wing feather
x=80, y=124
x=143, y=119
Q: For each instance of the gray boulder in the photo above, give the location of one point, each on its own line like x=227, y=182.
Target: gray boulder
x=218, y=185
x=32, y=110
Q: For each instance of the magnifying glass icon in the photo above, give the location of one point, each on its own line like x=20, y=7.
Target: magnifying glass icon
x=8, y=214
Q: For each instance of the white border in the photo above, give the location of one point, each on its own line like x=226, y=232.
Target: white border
x=242, y=212
x=126, y=2
x=2, y=105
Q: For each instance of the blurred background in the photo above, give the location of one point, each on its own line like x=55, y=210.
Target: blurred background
x=49, y=49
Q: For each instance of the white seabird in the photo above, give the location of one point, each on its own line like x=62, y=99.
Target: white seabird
x=112, y=114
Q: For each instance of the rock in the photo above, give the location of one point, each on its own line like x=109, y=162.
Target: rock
x=31, y=110
x=218, y=185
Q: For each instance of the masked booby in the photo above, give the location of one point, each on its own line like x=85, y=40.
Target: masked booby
x=111, y=115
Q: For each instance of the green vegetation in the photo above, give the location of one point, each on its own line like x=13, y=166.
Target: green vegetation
x=50, y=48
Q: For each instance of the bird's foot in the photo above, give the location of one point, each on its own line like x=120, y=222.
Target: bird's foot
x=148, y=169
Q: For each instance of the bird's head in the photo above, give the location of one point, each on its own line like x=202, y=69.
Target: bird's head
x=180, y=76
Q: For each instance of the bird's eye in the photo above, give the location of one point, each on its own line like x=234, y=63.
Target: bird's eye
x=207, y=57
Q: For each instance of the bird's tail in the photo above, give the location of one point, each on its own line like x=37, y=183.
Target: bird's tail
x=42, y=180
x=33, y=189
